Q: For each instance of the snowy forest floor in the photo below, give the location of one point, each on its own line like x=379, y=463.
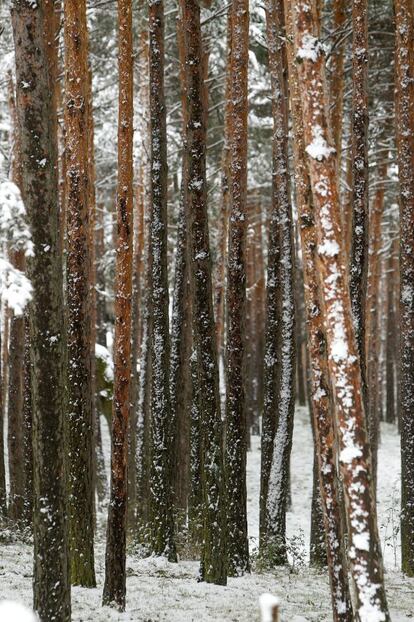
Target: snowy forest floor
x=158, y=590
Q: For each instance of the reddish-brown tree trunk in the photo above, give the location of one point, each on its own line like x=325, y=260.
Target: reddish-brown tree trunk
x=115, y=559
x=354, y=452
x=80, y=428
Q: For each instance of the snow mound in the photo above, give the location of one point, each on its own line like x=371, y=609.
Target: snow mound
x=267, y=603
x=15, y=612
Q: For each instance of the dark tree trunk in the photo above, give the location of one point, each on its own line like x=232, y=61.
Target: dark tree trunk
x=360, y=202
x=404, y=79
x=161, y=506
x=37, y=127
x=28, y=430
x=3, y=499
x=15, y=415
x=280, y=340
x=181, y=327
x=214, y=559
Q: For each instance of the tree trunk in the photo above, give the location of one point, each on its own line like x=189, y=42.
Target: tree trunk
x=354, y=458
x=15, y=429
x=3, y=499
x=181, y=325
x=15, y=409
x=404, y=79
x=80, y=387
x=28, y=430
x=360, y=202
x=280, y=340
x=320, y=384
x=235, y=456
x=214, y=559
x=162, y=510
x=115, y=558
x=372, y=312
x=37, y=126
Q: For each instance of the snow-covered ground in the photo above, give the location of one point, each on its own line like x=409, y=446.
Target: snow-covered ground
x=158, y=590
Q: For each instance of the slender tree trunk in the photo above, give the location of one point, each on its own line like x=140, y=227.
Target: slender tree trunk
x=372, y=312
x=364, y=553
x=279, y=392
x=390, y=409
x=37, y=127
x=3, y=499
x=115, y=559
x=404, y=79
x=28, y=430
x=337, y=72
x=220, y=285
x=181, y=325
x=80, y=386
x=214, y=559
x=360, y=202
x=15, y=429
x=237, y=542
x=162, y=510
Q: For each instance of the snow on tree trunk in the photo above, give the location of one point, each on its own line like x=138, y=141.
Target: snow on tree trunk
x=320, y=384
x=373, y=328
x=37, y=127
x=181, y=333
x=359, y=192
x=214, y=559
x=279, y=398
x=80, y=427
x=15, y=427
x=3, y=499
x=354, y=453
x=404, y=79
x=235, y=420
x=161, y=506
x=115, y=558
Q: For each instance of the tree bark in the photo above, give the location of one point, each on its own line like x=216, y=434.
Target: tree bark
x=214, y=558
x=360, y=202
x=235, y=455
x=115, y=558
x=280, y=340
x=404, y=79
x=320, y=384
x=37, y=127
x=354, y=458
x=161, y=506
x=80, y=427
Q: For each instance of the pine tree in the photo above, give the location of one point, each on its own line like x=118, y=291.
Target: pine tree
x=236, y=433
x=161, y=506
x=36, y=116
x=213, y=558
x=115, y=559
x=80, y=426
x=364, y=554
x=15, y=398
x=404, y=79
x=359, y=194
x=280, y=340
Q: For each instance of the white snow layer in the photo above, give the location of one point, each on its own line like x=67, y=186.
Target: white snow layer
x=268, y=603
x=15, y=612
x=160, y=591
